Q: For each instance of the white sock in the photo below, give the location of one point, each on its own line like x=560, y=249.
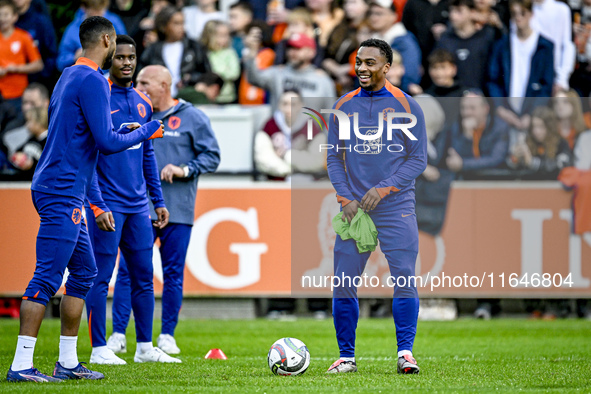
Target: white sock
x=144, y=347
x=352, y=359
x=23, y=357
x=68, y=356
x=403, y=352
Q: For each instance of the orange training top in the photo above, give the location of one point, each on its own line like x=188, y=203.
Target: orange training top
x=18, y=49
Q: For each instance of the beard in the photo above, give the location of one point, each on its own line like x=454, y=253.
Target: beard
x=109, y=60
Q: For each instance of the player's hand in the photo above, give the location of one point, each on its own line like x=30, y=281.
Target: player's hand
x=105, y=221
x=370, y=200
x=350, y=210
x=133, y=126
x=163, y=216
x=171, y=171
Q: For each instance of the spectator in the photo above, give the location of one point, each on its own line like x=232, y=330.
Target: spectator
x=569, y=112
x=342, y=45
x=282, y=147
x=185, y=59
x=20, y=163
x=427, y=20
x=197, y=15
x=485, y=15
x=326, y=15
x=15, y=133
x=432, y=187
x=258, y=34
x=443, y=71
x=148, y=25
x=521, y=71
x=18, y=56
x=478, y=139
x=70, y=48
x=299, y=21
x=396, y=71
x=553, y=19
x=240, y=18
x=131, y=12
x=222, y=57
x=444, y=86
x=382, y=19
x=298, y=74
x=581, y=78
x=470, y=46
x=543, y=152
x=39, y=26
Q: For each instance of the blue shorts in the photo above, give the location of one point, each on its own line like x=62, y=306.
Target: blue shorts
x=62, y=242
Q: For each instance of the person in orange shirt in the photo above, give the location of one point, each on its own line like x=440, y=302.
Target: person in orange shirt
x=258, y=35
x=18, y=55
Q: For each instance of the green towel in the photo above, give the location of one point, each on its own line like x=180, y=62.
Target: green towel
x=361, y=229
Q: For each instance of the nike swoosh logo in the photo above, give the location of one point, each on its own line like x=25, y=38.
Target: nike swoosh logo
x=112, y=112
x=28, y=347
x=403, y=215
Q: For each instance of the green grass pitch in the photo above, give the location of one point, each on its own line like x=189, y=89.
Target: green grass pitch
x=463, y=355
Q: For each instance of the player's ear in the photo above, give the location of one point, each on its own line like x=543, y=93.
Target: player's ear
x=386, y=68
x=106, y=40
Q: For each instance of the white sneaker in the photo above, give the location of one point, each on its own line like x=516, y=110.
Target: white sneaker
x=154, y=355
x=167, y=343
x=117, y=343
x=104, y=355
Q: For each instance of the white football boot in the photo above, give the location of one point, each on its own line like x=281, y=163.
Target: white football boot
x=167, y=343
x=104, y=355
x=117, y=343
x=154, y=355
x=342, y=366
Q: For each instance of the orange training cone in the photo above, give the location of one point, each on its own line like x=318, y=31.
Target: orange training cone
x=216, y=354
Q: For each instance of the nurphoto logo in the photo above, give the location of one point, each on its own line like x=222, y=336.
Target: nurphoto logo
x=368, y=139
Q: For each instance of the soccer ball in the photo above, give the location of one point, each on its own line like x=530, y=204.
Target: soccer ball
x=288, y=356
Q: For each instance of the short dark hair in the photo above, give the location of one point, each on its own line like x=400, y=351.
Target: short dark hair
x=441, y=56
x=43, y=91
x=211, y=79
x=243, y=5
x=92, y=29
x=458, y=3
x=124, y=39
x=525, y=4
x=9, y=3
x=383, y=46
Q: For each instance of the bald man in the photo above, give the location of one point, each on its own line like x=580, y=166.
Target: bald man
x=188, y=149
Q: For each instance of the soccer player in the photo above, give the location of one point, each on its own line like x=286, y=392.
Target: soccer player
x=79, y=126
x=189, y=150
x=120, y=204
x=378, y=177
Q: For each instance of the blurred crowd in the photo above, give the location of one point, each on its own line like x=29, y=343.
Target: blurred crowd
x=506, y=81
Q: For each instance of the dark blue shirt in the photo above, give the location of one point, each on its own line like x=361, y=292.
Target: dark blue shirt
x=121, y=179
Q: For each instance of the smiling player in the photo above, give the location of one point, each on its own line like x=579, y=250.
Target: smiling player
x=119, y=201
x=381, y=183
